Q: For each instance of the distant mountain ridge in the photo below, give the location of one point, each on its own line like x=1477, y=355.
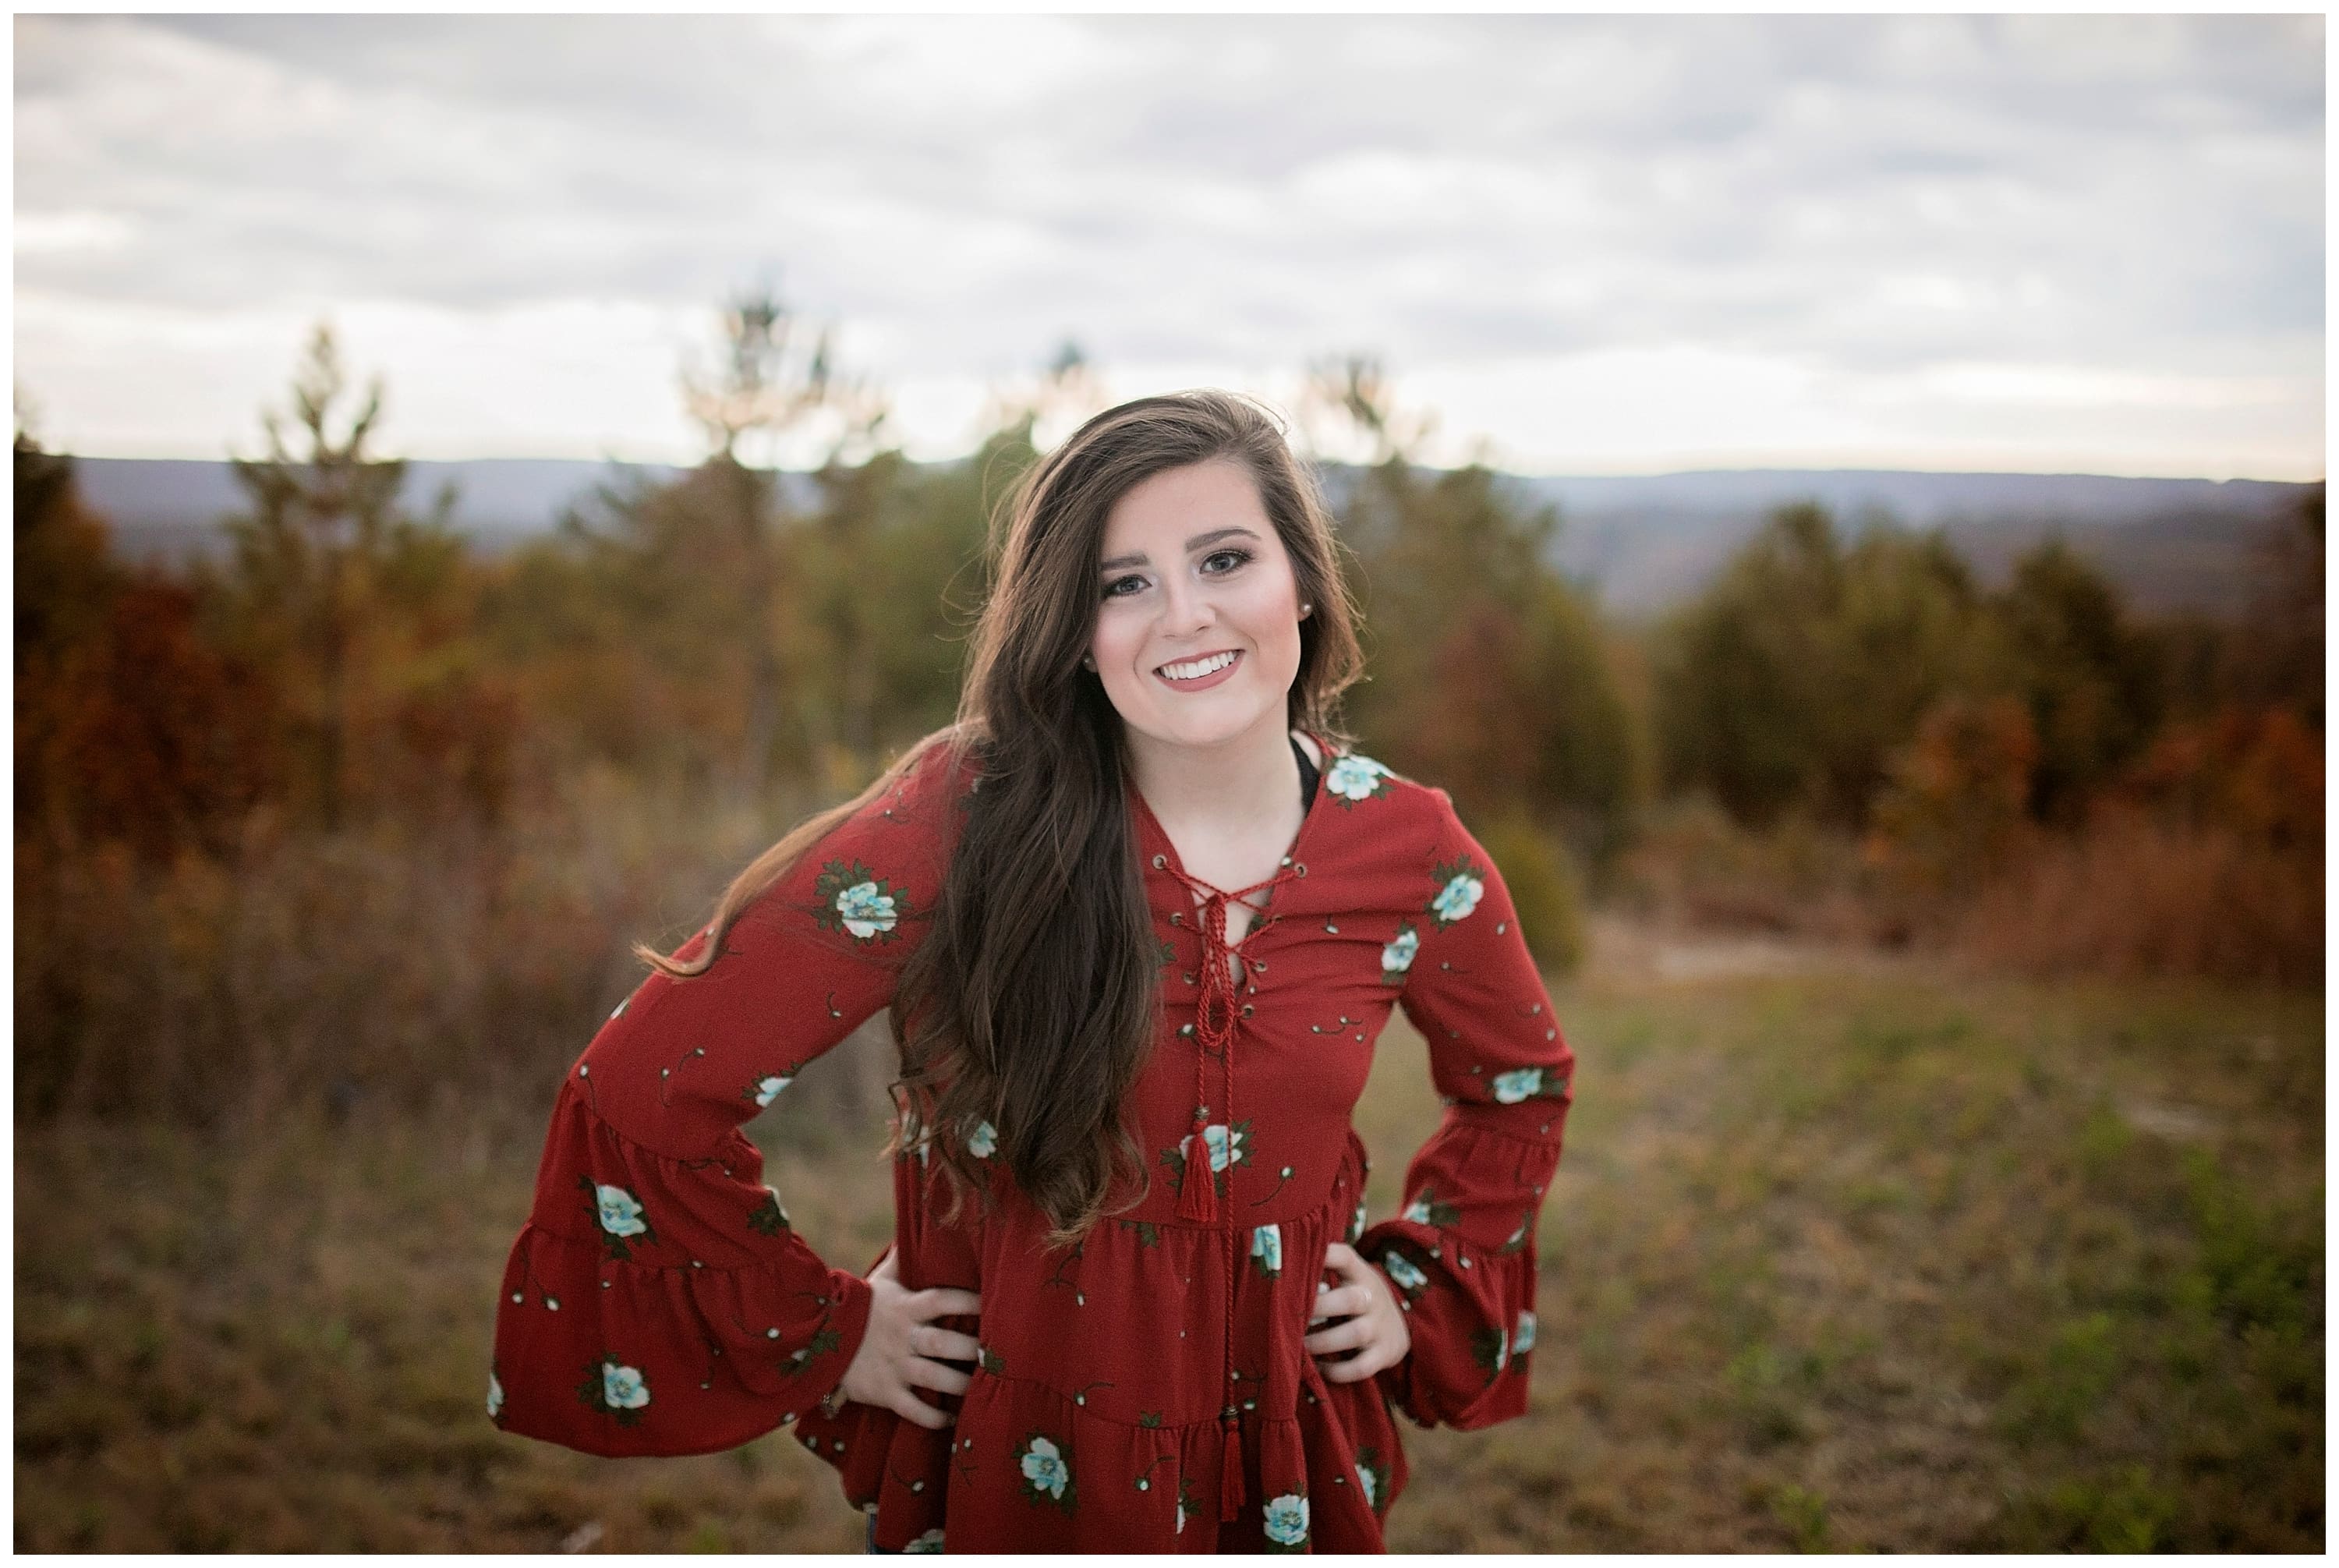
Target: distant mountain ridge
x=1645, y=542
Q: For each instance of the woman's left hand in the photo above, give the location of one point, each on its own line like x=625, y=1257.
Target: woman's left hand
x=1372, y=1322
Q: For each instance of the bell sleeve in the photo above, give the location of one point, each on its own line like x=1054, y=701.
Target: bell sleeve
x=658, y=1300
x=1462, y=1255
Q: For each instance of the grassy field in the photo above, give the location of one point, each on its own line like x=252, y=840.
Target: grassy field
x=1846, y=1257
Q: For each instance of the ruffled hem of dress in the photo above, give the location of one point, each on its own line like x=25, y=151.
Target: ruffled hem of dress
x=1319, y=1472
x=1027, y=1469
x=1471, y=1306
x=696, y=1319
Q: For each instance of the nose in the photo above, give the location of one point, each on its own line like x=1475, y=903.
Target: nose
x=1186, y=610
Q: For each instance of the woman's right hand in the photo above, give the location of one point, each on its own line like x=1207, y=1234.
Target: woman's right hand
x=902, y=1350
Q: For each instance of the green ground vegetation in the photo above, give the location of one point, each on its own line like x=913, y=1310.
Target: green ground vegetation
x=1858, y=1261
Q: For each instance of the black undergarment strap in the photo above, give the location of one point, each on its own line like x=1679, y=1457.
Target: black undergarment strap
x=1306, y=775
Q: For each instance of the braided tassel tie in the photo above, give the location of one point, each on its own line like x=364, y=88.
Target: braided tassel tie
x=1230, y=1474
x=1214, y=1029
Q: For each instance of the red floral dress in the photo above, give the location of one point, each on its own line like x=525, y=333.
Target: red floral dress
x=1146, y=1390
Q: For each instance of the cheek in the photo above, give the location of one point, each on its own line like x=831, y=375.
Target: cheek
x=1114, y=632
x=1116, y=642
x=1273, y=609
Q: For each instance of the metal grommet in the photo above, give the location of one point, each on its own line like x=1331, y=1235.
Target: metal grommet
x=1249, y=1010
x=1176, y=918
x=1301, y=868
x=1159, y=861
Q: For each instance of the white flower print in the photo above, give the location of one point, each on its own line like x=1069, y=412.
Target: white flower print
x=1502, y=1347
x=495, y=1395
x=623, y=1387
x=985, y=1141
x=1401, y=1268
x=768, y=1089
x=1365, y=1479
x=1214, y=1138
x=1417, y=1212
x=1354, y=777
x=1181, y=1516
x=1510, y=1088
x=621, y=1212
x=1043, y=1466
x=1459, y=897
x=1266, y=1246
x=864, y=911
x=1524, y=1341
x=1286, y=1519
x=931, y=1541
x=1357, y=1225
x=1397, y=957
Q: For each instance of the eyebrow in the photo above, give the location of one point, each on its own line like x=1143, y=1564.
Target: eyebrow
x=1196, y=543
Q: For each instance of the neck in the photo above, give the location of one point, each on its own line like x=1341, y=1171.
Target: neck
x=1247, y=778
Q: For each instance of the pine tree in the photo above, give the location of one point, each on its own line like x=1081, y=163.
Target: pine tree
x=325, y=565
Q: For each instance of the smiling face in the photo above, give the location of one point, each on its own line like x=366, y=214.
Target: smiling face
x=1192, y=570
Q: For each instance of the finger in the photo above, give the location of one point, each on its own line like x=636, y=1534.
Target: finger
x=1345, y=1302
x=1356, y=1369
x=1334, y=1251
x=942, y=1345
x=936, y=1375
x=941, y=1301
x=1343, y=1336
x=910, y=1407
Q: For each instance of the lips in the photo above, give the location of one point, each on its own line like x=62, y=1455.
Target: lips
x=1209, y=682
x=1161, y=669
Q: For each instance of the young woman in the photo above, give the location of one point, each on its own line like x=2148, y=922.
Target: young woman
x=1139, y=916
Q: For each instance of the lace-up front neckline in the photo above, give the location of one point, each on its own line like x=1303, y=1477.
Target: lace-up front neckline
x=1216, y=1015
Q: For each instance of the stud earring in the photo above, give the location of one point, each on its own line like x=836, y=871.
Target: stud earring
x=1304, y=609
x=1088, y=660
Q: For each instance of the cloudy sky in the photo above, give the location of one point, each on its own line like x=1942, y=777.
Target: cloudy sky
x=1589, y=244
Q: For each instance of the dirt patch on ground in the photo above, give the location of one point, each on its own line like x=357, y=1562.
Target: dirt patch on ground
x=1623, y=947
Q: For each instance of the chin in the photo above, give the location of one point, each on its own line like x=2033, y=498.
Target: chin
x=1209, y=729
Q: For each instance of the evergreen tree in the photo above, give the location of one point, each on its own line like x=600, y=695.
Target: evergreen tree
x=2064, y=647
x=360, y=608
x=1489, y=667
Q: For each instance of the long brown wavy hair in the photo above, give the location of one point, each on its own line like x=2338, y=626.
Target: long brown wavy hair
x=1034, y=998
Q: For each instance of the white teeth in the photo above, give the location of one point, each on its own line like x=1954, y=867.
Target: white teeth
x=1198, y=668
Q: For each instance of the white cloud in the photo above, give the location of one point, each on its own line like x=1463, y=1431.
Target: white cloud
x=1528, y=203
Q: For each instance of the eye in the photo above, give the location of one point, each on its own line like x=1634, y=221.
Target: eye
x=1240, y=557
x=1111, y=588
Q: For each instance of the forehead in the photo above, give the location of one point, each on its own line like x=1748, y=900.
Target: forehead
x=1160, y=512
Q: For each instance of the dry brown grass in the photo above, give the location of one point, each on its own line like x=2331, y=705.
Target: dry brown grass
x=384, y=971
x=2133, y=897
x=2127, y=895
x=1848, y=1258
